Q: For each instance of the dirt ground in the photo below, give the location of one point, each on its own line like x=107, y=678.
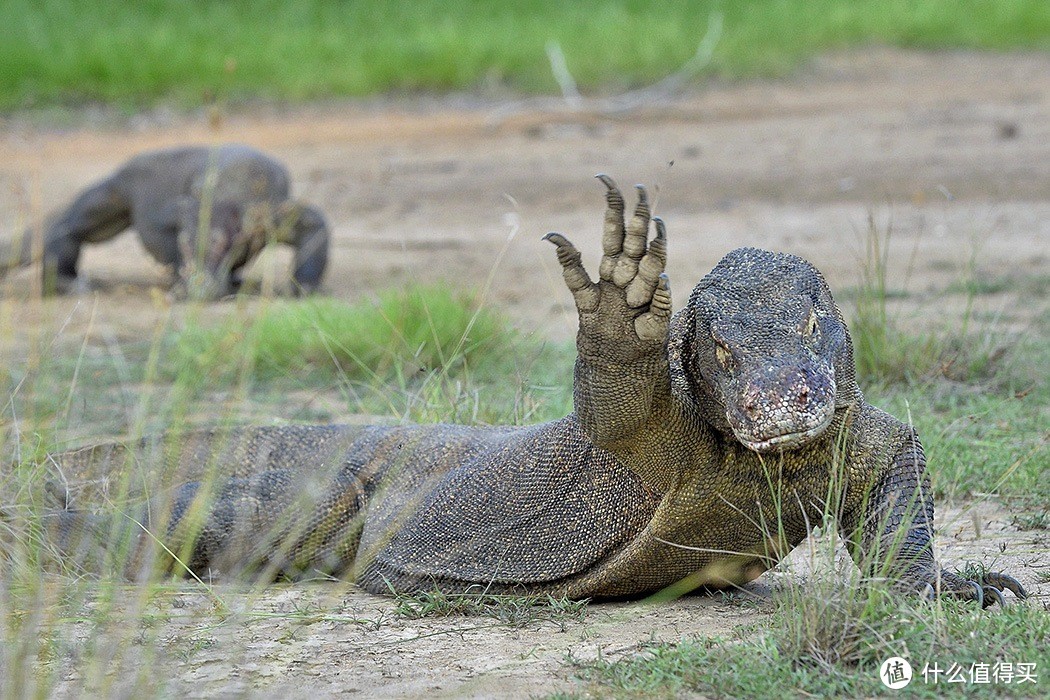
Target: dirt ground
x=950, y=150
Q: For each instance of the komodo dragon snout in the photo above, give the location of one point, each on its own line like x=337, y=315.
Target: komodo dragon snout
x=781, y=403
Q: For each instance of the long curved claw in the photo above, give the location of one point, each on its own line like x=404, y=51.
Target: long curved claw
x=992, y=595
x=613, y=229
x=978, y=591
x=558, y=239
x=584, y=291
x=610, y=185
x=929, y=593
x=1003, y=581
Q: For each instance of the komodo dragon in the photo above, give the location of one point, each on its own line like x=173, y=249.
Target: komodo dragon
x=702, y=449
x=237, y=194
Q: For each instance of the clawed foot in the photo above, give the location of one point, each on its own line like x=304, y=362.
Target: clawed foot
x=986, y=588
x=631, y=302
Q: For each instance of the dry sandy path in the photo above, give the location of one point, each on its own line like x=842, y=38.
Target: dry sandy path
x=952, y=150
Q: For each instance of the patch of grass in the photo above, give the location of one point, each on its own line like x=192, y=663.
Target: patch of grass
x=882, y=354
x=415, y=329
x=985, y=438
x=512, y=610
x=64, y=52
x=424, y=353
x=890, y=350
x=1032, y=521
x=826, y=644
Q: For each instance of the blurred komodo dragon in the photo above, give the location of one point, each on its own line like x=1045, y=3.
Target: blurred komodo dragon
x=702, y=449
x=235, y=193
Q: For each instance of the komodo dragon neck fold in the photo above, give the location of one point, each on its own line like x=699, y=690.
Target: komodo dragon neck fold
x=701, y=451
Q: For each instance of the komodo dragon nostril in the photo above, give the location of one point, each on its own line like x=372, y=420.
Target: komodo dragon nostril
x=750, y=403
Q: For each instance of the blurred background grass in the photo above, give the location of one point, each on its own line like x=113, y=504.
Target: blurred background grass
x=64, y=52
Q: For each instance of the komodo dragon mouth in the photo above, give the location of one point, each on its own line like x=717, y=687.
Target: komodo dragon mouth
x=782, y=406
x=786, y=441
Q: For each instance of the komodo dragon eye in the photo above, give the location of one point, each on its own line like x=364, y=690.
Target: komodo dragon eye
x=811, y=329
x=725, y=358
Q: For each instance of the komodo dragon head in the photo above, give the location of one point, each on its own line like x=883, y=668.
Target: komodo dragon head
x=762, y=351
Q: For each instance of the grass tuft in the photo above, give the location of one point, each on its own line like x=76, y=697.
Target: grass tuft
x=1032, y=521
x=415, y=329
x=512, y=610
x=831, y=643
x=887, y=353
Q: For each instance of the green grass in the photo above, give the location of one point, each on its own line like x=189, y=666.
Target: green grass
x=832, y=646
x=66, y=52
x=424, y=353
x=979, y=442
x=1032, y=521
x=407, y=331
x=511, y=610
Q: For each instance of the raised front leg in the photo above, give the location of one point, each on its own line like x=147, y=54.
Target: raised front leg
x=891, y=535
x=621, y=364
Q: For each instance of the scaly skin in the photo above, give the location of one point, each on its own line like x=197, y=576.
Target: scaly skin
x=236, y=196
x=702, y=449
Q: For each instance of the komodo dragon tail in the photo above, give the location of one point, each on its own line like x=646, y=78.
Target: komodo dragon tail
x=145, y=481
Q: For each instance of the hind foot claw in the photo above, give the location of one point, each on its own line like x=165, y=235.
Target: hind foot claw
x=987, y=590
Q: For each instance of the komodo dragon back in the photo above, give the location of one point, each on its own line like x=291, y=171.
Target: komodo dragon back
x=701, y=450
